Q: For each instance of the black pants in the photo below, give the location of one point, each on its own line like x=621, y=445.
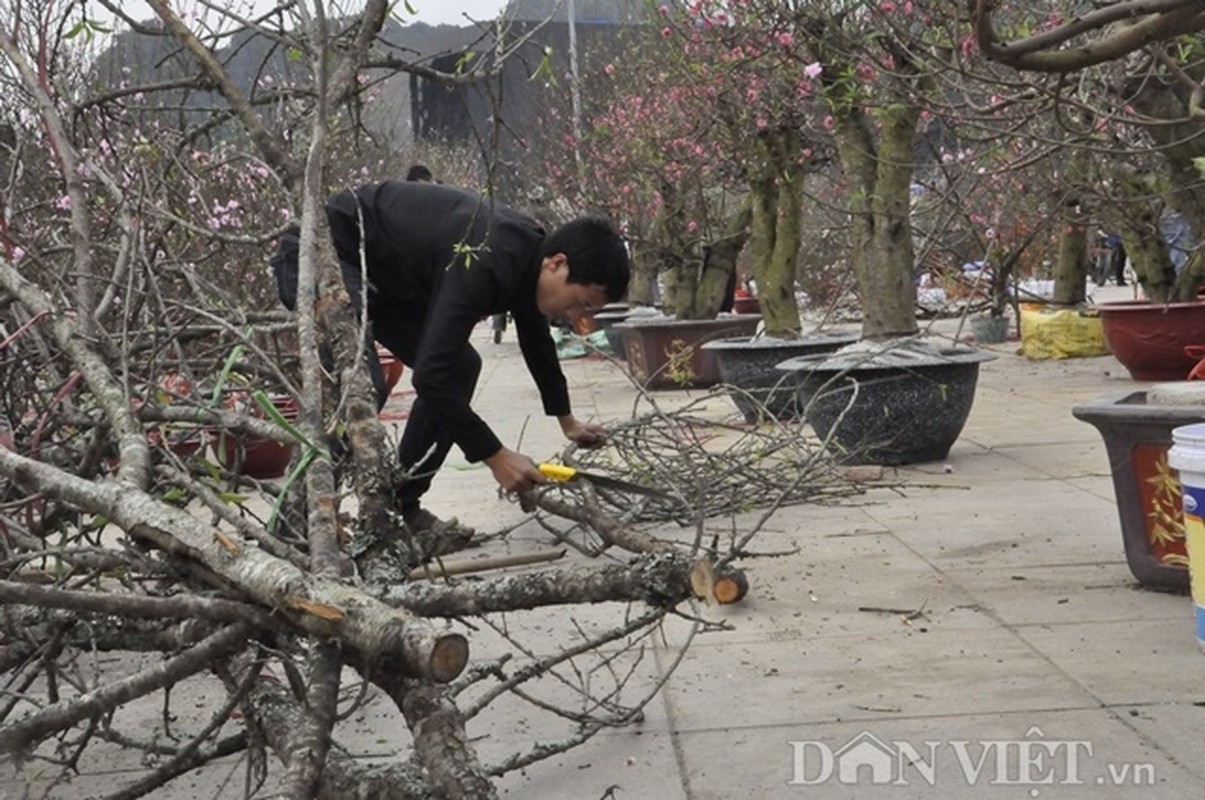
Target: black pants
x=425, y=444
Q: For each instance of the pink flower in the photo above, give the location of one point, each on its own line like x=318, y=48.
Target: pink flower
x=664, y=11
x=609, y=69
x=829, y=123
x=785, y=39
x=888, y=6
x=665, y=32
x=813, y=70
x=64, y=203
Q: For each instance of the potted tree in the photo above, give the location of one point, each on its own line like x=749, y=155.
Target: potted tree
x=1151, y=337
x=874, y=118
x=655, y=170
x=758, y=131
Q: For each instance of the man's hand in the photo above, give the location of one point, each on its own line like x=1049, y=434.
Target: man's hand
x=513, y=471
x=585, y=434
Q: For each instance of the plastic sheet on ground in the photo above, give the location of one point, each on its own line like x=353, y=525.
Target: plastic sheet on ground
x=1060, y=333
x=572, y=345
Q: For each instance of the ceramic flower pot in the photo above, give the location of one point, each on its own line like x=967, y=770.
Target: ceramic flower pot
x=746, y=304
x=255, y=456
x=607, y=320
x=1149, y=339
x=748, y=365
x=1137, y=436
x=666, y=353
x=391, y=366
x=989, y=330
x=899, y=408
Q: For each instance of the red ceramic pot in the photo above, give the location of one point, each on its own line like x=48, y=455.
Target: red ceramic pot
x=746, y=305
x=253, y=456
x=391, y=366
x=1149, y=339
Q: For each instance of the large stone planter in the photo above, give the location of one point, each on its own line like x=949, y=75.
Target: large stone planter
x=1149, y=339
x=1137, y=436
x=666, y=353
x=899, y=407
x=748, y=365
x=606, y=320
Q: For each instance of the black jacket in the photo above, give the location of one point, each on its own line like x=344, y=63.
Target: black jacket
x=438, y=260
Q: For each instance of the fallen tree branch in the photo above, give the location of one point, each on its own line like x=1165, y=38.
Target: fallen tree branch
x=25, y=734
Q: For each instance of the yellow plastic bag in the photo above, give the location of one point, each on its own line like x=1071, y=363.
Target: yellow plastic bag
x=1063, y=333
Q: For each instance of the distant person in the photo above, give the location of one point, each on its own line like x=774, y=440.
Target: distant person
x=1117, y=258
x=438, y=260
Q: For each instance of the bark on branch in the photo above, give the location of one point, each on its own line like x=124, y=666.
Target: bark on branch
x=25, y=734
x=323, y=607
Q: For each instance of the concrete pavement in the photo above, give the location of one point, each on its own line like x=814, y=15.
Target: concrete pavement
x=1033, y=666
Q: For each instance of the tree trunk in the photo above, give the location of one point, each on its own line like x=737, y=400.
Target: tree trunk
x=1181, y=145
x=1139, y=226
x=1071, y=264
x=641, y=289
x=777, y=189
x=880, y=185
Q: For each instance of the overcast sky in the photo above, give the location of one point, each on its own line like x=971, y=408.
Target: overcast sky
x=432, y=12
x=451, y=12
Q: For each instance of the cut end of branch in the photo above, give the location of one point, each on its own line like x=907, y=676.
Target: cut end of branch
x=448, y=657
x=730, y=587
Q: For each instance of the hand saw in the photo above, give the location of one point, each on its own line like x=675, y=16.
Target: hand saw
x=562, y=474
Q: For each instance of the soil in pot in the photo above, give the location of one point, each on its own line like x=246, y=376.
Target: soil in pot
x=748, y=364
x=901, y=403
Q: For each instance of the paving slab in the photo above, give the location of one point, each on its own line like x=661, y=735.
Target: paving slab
x=1079, y=754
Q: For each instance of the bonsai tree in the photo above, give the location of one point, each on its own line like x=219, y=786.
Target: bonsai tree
x=1155, y=96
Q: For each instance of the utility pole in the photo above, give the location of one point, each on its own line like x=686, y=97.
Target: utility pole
x=575, y=88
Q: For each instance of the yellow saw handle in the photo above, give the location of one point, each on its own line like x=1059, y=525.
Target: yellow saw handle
x=557, y=472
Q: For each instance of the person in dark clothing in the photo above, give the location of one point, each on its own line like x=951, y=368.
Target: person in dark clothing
x=438, y=260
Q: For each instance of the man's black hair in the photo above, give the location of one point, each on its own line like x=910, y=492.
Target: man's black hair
x=596, y=253
x=419, y=172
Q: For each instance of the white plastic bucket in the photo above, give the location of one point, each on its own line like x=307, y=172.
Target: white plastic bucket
x=1187, y=455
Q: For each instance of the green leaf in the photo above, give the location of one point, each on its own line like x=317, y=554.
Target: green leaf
x=274, y=414
x=1199, y=163
x=233, y=498
x=294, y=475
x=224, y=375
x=174, y=495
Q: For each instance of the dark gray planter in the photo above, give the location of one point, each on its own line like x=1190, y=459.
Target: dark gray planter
x=888, y=413
x=1137, y=436
x=606, y=321
x=748, y=365
x=990, y=330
